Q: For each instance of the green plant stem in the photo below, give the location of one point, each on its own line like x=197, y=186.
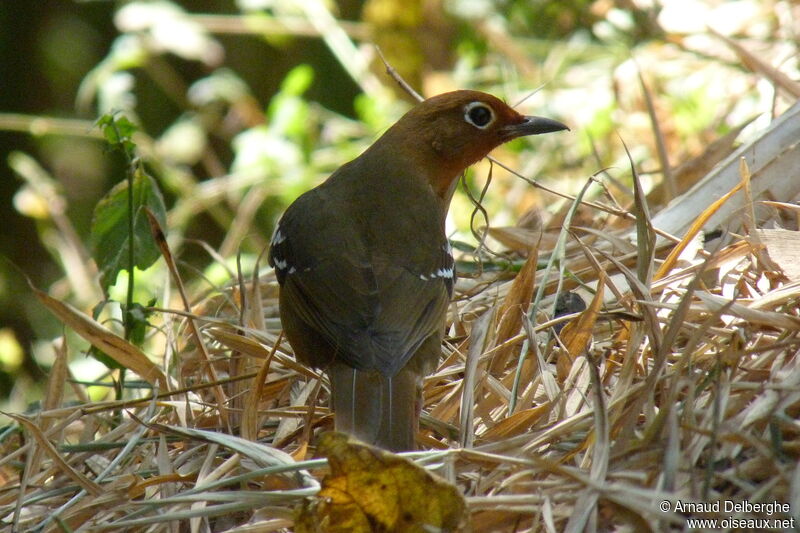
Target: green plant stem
x=131, y=257
x=127, y=319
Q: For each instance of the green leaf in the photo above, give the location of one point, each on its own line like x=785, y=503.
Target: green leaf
x=104, y=358
x=118, y=131
x=287, y=111
x=110, y=239
x=139, y=316
x=297, y=80
x=96, y=352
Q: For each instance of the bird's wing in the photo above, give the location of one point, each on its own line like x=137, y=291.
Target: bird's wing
x=373, y=309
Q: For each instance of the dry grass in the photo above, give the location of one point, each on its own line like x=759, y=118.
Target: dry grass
x=680, y=382
x=688, y=391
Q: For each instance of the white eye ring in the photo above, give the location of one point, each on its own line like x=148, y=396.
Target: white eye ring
x=479, y=115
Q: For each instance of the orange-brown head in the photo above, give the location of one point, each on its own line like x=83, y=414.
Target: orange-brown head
x=447, y=133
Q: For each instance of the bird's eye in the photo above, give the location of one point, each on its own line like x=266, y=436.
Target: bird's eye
x=479, y=115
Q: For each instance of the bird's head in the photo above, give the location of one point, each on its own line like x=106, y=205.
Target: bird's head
x=447, y=133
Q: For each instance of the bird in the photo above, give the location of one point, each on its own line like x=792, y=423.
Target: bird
x=365, y=269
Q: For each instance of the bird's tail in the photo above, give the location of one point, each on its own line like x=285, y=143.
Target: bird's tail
x=375, y=409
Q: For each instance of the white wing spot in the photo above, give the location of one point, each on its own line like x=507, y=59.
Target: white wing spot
x=281, y=264
x=445, y=273
x=278, y=237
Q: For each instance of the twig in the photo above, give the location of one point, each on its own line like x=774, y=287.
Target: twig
x=390, y=70
x=161, y=241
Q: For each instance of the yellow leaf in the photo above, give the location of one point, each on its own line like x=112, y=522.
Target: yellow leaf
x=373, y=490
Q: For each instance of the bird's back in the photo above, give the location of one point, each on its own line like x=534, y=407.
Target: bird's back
x=371, y=279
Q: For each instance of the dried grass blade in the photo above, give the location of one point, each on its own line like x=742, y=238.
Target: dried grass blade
x=161, y=241
x=89, y=485
x=53, y=396
x=263, y=455
x=558, y=254
x=666, y=170
x=577, y=334
x=518, y=239
x=253, y=348
x=602, y=443
x=122, y=351
x=760, y=66
x=695, y=228
x=254, y=315
x=678, y=318
x=645, y=236
x=470, y=382
x=642, y=293
x=517, y=423
x=749, y=221
x=794, y=488
x=676, y=323
x=688, y=173
x=302, y=399
x=782, y=205
x=250, y=418
x=56, y=380
x=225, y=509
x=754, y=316
x=514, y=310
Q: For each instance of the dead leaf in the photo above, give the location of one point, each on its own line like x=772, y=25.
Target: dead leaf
x=373, y=490
x=783, y=247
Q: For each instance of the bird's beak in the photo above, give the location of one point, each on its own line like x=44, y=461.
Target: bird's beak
x=532, y=126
